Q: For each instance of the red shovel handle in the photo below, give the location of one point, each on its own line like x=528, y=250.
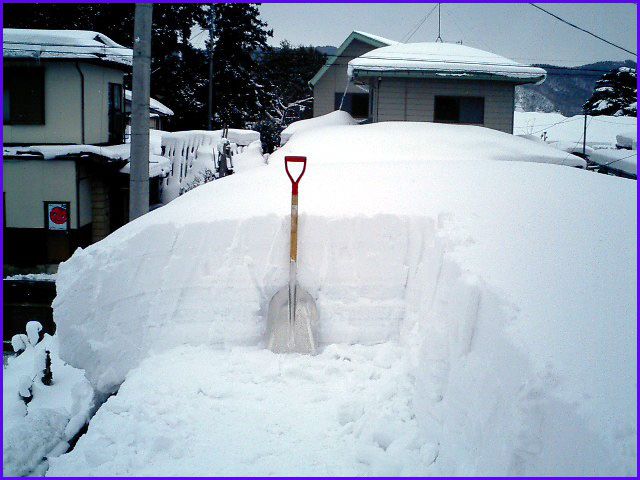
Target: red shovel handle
x=294, y=182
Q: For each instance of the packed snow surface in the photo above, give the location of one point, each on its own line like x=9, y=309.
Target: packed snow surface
x=335, y=118
x=499, y=304
x=250, y=412
x=398, y=142
x=444, y=59
x=63, y=44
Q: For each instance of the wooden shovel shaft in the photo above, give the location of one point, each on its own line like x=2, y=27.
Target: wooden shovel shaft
x=294, y=228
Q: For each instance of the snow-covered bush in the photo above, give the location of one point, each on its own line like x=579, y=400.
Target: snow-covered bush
x=45, y=403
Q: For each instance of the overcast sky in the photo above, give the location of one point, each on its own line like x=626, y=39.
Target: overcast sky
x=516, y=31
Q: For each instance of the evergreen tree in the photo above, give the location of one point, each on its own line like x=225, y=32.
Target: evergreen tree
x=239, y=37
x=615, y=94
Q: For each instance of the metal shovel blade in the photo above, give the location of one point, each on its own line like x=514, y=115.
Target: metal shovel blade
x=297, y=336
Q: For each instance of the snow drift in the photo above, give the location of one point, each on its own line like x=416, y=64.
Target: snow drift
x=330, y=119
x=511, y=299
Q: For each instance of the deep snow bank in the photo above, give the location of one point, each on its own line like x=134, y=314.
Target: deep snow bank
x=395, y=142
x=335, y=118
x=513, y=298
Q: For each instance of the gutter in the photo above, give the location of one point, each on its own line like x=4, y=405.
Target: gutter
x=81, y=98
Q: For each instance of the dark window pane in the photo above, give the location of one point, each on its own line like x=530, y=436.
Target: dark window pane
x=472, y=110
x=26, y=95
x=357, y=104
x=459, y=110
x=116, y=113
x=360, y=105
x=447, y=109
x=6, y=103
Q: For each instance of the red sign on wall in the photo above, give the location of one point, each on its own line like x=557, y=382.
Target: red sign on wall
x=57, y=215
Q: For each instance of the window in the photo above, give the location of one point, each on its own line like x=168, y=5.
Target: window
x=116, y=113
x=357, y=104
x=459, y=110
x=23, y=95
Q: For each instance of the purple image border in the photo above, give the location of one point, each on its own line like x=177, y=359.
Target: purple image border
x=2, y=3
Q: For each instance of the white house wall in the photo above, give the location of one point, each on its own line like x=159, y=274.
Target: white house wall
x=96, y=97
x=335, y=78
x=399, y=99
x=63, y=106
x=61, y=109
x=29, y=183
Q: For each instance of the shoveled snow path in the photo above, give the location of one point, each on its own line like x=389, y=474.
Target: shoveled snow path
x=198, y=411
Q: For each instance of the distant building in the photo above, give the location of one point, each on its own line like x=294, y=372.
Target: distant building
x=63, y=151
x=331, y=81
x=433, y=82
x=159, y=114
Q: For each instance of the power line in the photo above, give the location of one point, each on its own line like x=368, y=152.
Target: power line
x=618, y=160
x=582, y=29
x=408, y=35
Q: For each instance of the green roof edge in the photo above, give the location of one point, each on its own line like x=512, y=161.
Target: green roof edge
x=353, y=36
x=443, y=75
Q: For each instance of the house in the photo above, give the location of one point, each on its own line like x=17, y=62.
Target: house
x=331, y=81
x=429, y=82
x=159, y=114
x=63, y=148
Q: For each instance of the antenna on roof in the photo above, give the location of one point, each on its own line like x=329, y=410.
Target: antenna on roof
x=439, y=39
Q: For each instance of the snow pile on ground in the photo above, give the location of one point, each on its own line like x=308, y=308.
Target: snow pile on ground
x=398, y=142
x=621, y=160
x=506, y=304
x=441, y=59
x=601, y=130
x=335, y=118
x=61, y=44
x=35, y=432
x=250, y=412
x=627, y=140
x=248, y=157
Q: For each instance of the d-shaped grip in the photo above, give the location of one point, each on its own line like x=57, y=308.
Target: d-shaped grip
x=295, y=182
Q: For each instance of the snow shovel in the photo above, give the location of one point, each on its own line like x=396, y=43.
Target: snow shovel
x=292, y=314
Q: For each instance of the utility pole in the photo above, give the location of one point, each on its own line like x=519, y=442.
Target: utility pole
x=439, y=37
x=210, y=111
x=584, y=136
x=139, y=161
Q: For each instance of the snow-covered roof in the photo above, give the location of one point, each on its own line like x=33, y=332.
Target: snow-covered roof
x=63, y=44
x=438, y=59
x=159, y=166
x=376, y=38
x=373, y=40
x=154, y=105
